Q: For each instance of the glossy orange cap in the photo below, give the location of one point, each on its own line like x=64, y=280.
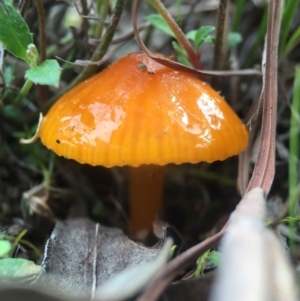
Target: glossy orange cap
x=140, y=112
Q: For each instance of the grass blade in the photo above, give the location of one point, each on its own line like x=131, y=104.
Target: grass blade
x=294, y=151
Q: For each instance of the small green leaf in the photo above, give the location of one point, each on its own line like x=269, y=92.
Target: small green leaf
x=172, y=251
x=184, y=61
x=182, y=55
x=191, y=35
x=215, y=257
x=158, y=22
x=48, y=73
x=32, y=54
x=201, y=35
x=5, y=247
x=178, y=49
x=234, y=38
x=201, y=263
x=209, y=40
x=18, y=267
x=14, y=32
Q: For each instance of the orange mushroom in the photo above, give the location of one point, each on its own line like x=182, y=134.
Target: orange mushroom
x=138, y=112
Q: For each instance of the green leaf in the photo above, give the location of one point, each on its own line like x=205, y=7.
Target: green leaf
x=178, y=49
x=215, y=257
x=201, y=35
x=191, y=35
x=14, y=32
x=184, y=61
x=201, y=263
x=32, y=54
x=172, y=251
x=5, y=247
x=158, y=22
x=48, y=73
x=209, y=40
x=182, y=55
x=18, y=267
x=234, y=38
x=10, y=2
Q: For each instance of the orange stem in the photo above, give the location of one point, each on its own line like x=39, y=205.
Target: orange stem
x=145, y=195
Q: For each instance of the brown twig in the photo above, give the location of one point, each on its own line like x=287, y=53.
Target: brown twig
x=104, y=44
x=175, y=65
x=22, y=7
x=42, y=30
x=43, y=91
x=246, y=156
x=194, y=57
x=85, y=23
x=220, y=44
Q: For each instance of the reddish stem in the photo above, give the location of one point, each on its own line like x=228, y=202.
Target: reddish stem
x=194, y=57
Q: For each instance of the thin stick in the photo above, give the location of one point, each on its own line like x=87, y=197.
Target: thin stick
x=194, y=57
x=220, y=44
x=177, y=66
x=42, y=30
x=264, y=169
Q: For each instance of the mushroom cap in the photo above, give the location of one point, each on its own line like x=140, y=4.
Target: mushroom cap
x=138, y=111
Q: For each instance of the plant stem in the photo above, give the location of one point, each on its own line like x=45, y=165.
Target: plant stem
x=42, y=30
x=37, y=252
x=85, y=23
x=264, y=168
x=22, y=7
x=43, y=91
x=102, y=8
x=103, y=45
x=220, y=44
x=47, y=172
x=194, y=57
x=17, y=240
x=24, y=91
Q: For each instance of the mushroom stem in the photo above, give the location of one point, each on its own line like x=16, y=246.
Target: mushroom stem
x=145, y=195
